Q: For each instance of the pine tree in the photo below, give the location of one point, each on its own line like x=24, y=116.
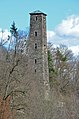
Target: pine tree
x=14, y=33
x=13, y=30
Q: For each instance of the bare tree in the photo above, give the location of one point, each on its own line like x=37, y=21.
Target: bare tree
x=12, y=81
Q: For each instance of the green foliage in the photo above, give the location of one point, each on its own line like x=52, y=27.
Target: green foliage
x=61, y=56
x=14, y=33
x=52, y=70
x=50, y=62
x=60, y=62
x=13, y=30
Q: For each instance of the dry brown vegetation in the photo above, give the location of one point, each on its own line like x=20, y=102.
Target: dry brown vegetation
x=20, y=98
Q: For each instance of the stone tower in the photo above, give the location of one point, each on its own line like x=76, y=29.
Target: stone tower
x=38, y=56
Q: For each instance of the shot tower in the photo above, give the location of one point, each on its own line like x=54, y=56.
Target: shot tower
x=38, y=56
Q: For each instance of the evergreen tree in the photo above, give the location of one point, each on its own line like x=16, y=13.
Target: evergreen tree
x=13, y=30
x=14, y=33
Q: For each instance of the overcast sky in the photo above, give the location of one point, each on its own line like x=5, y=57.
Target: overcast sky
x=62, y=18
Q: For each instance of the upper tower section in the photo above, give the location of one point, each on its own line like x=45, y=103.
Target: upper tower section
x=38, y=28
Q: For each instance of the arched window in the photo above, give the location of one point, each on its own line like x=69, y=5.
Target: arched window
x=35, y=33
x=35, y=45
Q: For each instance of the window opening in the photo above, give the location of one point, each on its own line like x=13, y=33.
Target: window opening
x=35, y=61
x=35, y=33
x=36, y=18
x=35, y=45
x=35, y=70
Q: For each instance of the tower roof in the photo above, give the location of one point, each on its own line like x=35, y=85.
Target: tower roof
x=37, y=12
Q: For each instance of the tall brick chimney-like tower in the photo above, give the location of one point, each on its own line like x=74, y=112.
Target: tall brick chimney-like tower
x=38, y=56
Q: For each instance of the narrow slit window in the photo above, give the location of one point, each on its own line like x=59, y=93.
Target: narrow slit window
x=35, y=45
x=35, y=70
x=35, y=33
x=35, y=61
x=36, y=18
